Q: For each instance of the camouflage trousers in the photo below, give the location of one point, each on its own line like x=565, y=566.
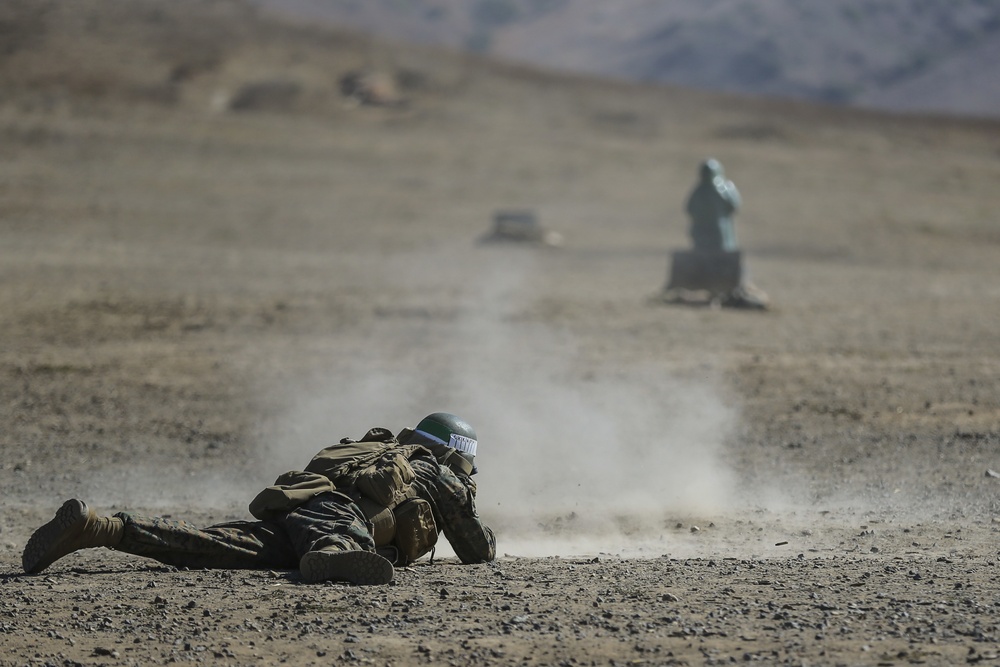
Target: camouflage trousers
x=327, y=521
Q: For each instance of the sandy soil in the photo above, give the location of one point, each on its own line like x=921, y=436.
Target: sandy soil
x=194, y=301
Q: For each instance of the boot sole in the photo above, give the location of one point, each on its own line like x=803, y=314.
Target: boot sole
x=45, y=545
x=363, y=568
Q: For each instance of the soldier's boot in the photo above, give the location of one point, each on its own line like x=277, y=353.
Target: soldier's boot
x=363, y=568
x=75, y=526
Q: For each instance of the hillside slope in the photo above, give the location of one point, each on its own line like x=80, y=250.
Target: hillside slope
x=913, y=55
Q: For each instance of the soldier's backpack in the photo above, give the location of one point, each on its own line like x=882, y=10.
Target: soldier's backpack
x=378, y=467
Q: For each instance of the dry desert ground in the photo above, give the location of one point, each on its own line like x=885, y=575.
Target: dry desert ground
x=196, y=295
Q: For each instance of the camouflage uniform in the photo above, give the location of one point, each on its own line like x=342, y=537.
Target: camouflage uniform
x=452, y=498
x=329, y=520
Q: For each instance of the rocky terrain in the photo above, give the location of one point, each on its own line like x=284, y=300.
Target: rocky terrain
x=216, y=258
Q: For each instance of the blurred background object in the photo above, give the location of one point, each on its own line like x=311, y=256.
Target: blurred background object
x=520, y=226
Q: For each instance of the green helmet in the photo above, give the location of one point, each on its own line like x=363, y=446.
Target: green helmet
x=444, y=428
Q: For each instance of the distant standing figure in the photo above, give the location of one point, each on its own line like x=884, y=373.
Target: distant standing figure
x=714, y=267
x=711, y=206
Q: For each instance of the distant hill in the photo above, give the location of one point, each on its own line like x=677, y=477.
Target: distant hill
x=934, y=56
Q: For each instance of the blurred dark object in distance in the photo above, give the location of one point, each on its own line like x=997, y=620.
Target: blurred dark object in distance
x=699, y=277
x=520, y=226
x=271, y=95
x=720, y=271
x=371, y=88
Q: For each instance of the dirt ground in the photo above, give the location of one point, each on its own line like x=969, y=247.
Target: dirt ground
x=196, y=299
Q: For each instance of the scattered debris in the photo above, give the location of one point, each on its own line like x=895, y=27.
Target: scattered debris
x=371, y=88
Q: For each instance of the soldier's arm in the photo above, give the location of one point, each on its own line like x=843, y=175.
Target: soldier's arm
x=453, y=499
x=733, y=196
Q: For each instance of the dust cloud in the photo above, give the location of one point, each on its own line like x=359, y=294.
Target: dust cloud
x=576, y=456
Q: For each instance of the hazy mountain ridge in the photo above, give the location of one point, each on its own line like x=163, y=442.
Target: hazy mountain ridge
x=909, y=55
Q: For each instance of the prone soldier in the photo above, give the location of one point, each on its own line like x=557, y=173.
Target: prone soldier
x=359, y=508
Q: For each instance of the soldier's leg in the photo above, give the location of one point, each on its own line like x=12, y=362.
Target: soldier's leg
x=75, y=526
x=244, y=545
x=241, y=544
x=331, y=537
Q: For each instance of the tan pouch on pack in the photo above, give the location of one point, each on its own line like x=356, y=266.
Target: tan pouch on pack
x=381, y=521
x=386, y=480
x=416, y=532
x=288, y=492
